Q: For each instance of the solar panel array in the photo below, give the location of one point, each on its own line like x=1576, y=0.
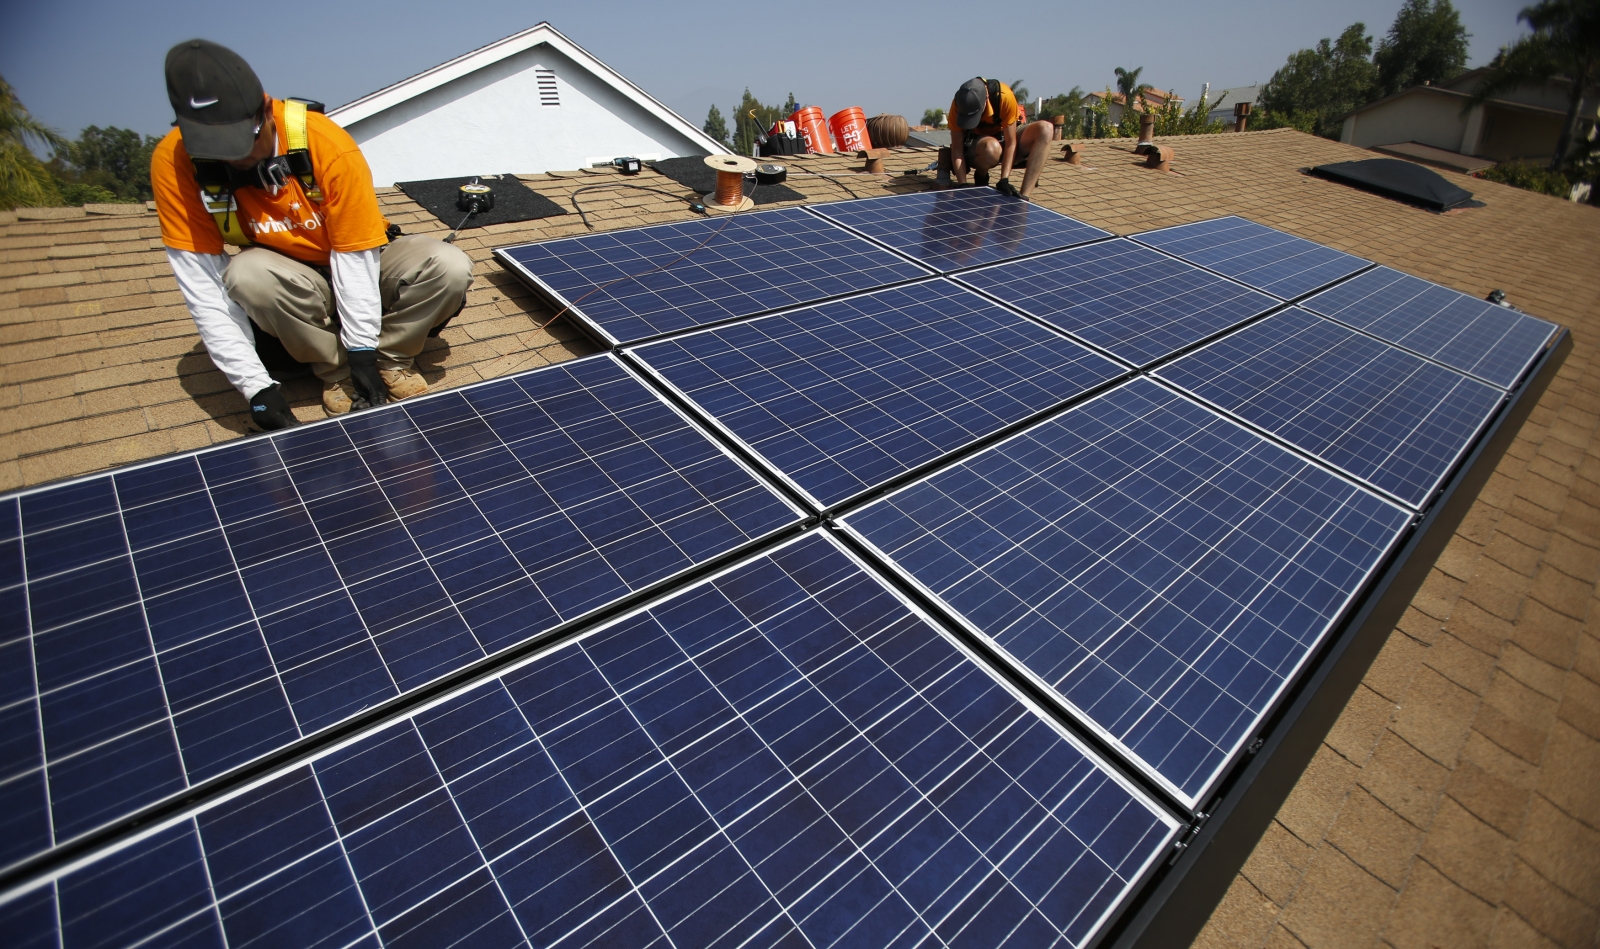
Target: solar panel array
x=1490, y=342
x=951, y=230
x=785, y=754
x=1161, y=569
x=638, y=284
x=1135, y=303
x=738, y=734
x=192, y=615
x=1281, y=264
x=1390, y=418
x=842, y=397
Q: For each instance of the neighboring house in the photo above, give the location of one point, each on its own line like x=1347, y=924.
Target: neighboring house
x=528, y=103
x=1157, y=99
x=1223, y=102
x=1522, y=123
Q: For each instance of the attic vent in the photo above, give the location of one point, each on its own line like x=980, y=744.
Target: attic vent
x=547, y=87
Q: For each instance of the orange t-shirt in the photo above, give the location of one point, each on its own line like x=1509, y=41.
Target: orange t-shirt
x=346, y=220
x=1010, y=114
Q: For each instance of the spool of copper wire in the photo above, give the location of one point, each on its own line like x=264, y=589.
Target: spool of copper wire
x=729, y=192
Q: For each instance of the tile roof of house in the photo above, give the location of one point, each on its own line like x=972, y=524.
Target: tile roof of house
x=1456, y=801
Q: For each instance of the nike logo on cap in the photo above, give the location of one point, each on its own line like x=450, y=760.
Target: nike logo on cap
x=201, y=103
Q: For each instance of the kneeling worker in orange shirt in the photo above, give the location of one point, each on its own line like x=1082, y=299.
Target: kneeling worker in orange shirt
x=318, y=271
x=987, y=129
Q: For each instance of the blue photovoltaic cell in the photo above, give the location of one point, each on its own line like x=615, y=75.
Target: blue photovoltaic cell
x=1267, y=259
x=1160, y=568
x=784, y=755
x=750, y=263
x=842, y=397
x=192, y=615
x=1385, y=416
x=1131, y=301
x=949, y=230
x=1477, y=337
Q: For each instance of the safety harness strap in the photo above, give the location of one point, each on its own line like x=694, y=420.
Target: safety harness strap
x=217, y=181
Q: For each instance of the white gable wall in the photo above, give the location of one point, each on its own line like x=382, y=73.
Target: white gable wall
x=490, y=121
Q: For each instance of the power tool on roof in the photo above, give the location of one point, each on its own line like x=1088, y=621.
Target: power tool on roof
x=474, y=197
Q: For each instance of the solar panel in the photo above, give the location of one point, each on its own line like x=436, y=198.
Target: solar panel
x=1159, y=568
x=1491, y=342
x=1281, y=264
x=1133, y=302
x=632, y=285
x=949, y=230
x=1392, y=419
x=194, y=614
x=786, y=754
x=842, y=397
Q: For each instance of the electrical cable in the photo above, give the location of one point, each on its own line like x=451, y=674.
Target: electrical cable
x=656, y=269
x=619, y=184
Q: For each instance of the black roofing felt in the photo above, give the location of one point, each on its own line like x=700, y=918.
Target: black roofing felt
x=696, y=175
x=513, y=201
x=1398, y=179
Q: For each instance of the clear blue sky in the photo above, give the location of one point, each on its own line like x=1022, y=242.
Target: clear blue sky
x=96, y=62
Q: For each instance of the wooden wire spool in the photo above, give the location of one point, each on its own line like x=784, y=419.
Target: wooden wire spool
x=888, y=131
x=729, y=195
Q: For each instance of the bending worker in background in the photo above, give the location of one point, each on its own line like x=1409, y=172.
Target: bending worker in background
x=318, y=270
x=986, y=130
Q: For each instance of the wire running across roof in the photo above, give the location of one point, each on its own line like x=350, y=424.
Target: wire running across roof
x=1136, y=303
x=1280, y=264
x=842, y=397
x=955, y=229
x=189, y=616
x=1386, y=416
x=786, y=753
x=1159, y=568
x=1482, y=339
x=709, y=271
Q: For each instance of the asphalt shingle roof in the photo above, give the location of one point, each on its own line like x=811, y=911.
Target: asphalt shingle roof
x=1457, y=800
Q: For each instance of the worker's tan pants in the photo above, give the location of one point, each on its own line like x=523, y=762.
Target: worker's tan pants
x=422, y=282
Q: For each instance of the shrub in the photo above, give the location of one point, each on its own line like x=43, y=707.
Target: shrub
x=1529, y=177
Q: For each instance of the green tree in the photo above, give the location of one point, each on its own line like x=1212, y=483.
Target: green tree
x=1020, y=90
x=106, y=161
x=1317, y=86
x=1426, y=43
x=1565, y=44
x=1129, y=85
x=790, y=107
x=1068, y=105
x=715, y=126
x=932, y=116
x=1172, y=120
x=24, y=180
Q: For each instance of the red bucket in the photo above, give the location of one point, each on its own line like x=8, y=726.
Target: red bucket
x=850, y=130
x=813, y=129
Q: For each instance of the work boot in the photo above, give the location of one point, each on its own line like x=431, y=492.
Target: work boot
x=338, y=397
x=403, y=383
x=981, y=179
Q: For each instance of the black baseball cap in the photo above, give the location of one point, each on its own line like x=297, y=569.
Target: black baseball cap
x=970, y=100
x=217, y=97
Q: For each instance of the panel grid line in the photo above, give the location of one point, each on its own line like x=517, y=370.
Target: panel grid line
x=875, y=526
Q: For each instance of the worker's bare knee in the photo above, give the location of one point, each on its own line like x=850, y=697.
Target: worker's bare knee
x=1036, y=133
x=986, y=154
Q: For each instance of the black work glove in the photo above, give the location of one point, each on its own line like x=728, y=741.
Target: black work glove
x=269, y=411
x=1004, y=187
x=370, y=389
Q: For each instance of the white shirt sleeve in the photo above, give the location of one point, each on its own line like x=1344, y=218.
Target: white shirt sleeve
x=355, y=287
x=224, y=328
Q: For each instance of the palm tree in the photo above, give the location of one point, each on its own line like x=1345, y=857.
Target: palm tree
x=1565, y=44
x=1020, y=91
x=23, y=178
x=1129, y=85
